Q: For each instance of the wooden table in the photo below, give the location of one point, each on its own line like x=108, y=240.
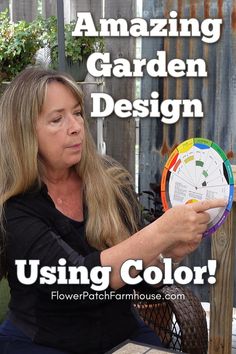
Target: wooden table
x=131, y=347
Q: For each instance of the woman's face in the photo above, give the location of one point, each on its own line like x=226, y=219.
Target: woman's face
x=60, y=128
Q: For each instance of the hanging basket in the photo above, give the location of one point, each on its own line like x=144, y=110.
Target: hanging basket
x=77, y=70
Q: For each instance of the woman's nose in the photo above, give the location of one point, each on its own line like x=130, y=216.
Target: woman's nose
x=74, y=126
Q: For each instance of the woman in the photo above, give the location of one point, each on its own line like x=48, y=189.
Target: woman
x=61, y=200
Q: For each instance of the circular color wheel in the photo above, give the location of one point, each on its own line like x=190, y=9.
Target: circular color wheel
x=198, y=169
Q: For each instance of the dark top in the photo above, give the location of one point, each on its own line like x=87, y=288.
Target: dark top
x=37, y=230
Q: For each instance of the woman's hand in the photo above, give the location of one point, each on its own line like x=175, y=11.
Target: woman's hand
x=184, y=226
x=177, y=233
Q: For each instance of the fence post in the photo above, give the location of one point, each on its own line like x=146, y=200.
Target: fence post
x=91, y=85
x=120, y=132
x=221, y=300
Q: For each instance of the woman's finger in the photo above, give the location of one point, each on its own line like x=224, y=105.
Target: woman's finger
x=204, y=205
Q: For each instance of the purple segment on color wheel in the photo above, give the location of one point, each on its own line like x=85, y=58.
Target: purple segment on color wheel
x=222, y=220
x=217, y=225
x=209, y=232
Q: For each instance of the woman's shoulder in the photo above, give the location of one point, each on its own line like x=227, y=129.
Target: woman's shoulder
x=33, y=201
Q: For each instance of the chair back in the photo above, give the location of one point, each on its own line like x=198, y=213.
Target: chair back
x=180, y=321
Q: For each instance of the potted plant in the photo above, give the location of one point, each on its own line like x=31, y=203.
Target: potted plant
x=77, y=49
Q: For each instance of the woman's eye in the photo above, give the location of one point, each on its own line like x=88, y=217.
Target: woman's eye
x=78, y=114
x=56, y=120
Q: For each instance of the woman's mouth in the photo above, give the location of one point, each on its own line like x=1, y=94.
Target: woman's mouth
x=75, y=146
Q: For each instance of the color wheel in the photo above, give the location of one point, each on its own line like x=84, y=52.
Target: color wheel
x=198, y=169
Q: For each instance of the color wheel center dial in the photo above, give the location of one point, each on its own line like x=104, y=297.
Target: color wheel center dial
x=198, y=169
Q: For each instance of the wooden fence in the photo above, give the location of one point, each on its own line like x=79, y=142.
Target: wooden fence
x=157, y=140
x=217, y=93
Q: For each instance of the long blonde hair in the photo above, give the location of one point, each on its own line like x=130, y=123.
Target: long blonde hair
x=112, y=207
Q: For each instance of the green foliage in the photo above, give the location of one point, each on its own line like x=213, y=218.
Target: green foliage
x=4, y=299
x=155, y=208
x=18, y=45
x=20, y=41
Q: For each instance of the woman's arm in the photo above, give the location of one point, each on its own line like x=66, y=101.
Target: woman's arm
x=175, y=234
